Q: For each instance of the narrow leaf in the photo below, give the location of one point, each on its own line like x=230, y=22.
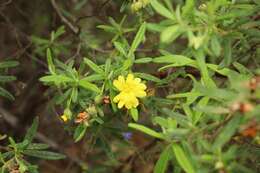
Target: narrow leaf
x=182, y=158
x=137, y=40
x=79, y=132
x=50, y=61
x=89, y=86
x=134, y=114
x=162, y=163
x=32, y=130
x=93, y=66
x=44, y=154
x=159, y=8
x=146, y=130
x=8, y=64
x=227, y=132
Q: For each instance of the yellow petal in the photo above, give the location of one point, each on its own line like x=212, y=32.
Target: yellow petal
x=121, y=79
x=140, y=93
x=119, y=85
x=135, y=103
x=129, y=105
x=137, y=80
x=64, y=118
x=130, y=78
x=142, y=86
x=120, y=104
x=116, y=98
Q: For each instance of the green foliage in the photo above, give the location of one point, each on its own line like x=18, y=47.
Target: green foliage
x=15, y=154
x=200, y=63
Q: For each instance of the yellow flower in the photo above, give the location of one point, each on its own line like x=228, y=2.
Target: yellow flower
x=139, y=4
x=130, y=89
x=64, y=118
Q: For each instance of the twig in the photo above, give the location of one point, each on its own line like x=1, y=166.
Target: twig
x=93, y=15
x=6, y=3
x=9, y=118
x=74, y=29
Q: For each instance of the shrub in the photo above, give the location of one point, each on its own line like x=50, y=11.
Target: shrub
x=184, y=73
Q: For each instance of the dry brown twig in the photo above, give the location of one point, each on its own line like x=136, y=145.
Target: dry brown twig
x=74, y=28
x=6, y=3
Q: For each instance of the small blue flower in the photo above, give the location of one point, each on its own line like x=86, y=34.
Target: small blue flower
x=127, y=135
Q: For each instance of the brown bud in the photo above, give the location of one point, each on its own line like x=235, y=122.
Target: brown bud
x=106, y=99
x=250, y=129
x=253, y=83
x=249, y=132
x=242, y=107
x=246, y=107
x=83, y=116
x=235, y=107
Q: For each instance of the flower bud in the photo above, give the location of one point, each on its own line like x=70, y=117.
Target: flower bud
x=98, y=99
x=91, y=110
x=136, y=6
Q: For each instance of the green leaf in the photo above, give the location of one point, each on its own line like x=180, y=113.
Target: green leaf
x=154, y=27
x=58, y=33
x=143, y=60
x=182, y=158
x=107, y=66
x=23, y=145
x=120, y=48
x=187, y=95
x=7, y=78
x=148, y=77
x=12, y=143
x=94, y=77
x=227, y=54
x=48, y=155
x=146, y=130
x=107, y=28
x=215, y=45
x=216, y=93
x=159, y=8
x=79, y=132
x=8, y=64
x=74, y=94
x=50, y=61
x=89, y=86
x=37, y=146
x=181, y=119
x=134, y=114
x=32, y=130
x=162, y=163
x=169, y=34
x=126, y=65
x=203, y=102
x=242, y=69
x=6, y=94
x=93, y=66
x=137, y=40
x=227, y=132
x=56, y=79
x=22, y=166
x=200, y=58
x=176, y=59
x=188, y=8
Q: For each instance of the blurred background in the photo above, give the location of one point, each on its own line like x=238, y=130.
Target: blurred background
x=25, y=28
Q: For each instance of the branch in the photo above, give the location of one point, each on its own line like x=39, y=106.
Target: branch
x=72, y=27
